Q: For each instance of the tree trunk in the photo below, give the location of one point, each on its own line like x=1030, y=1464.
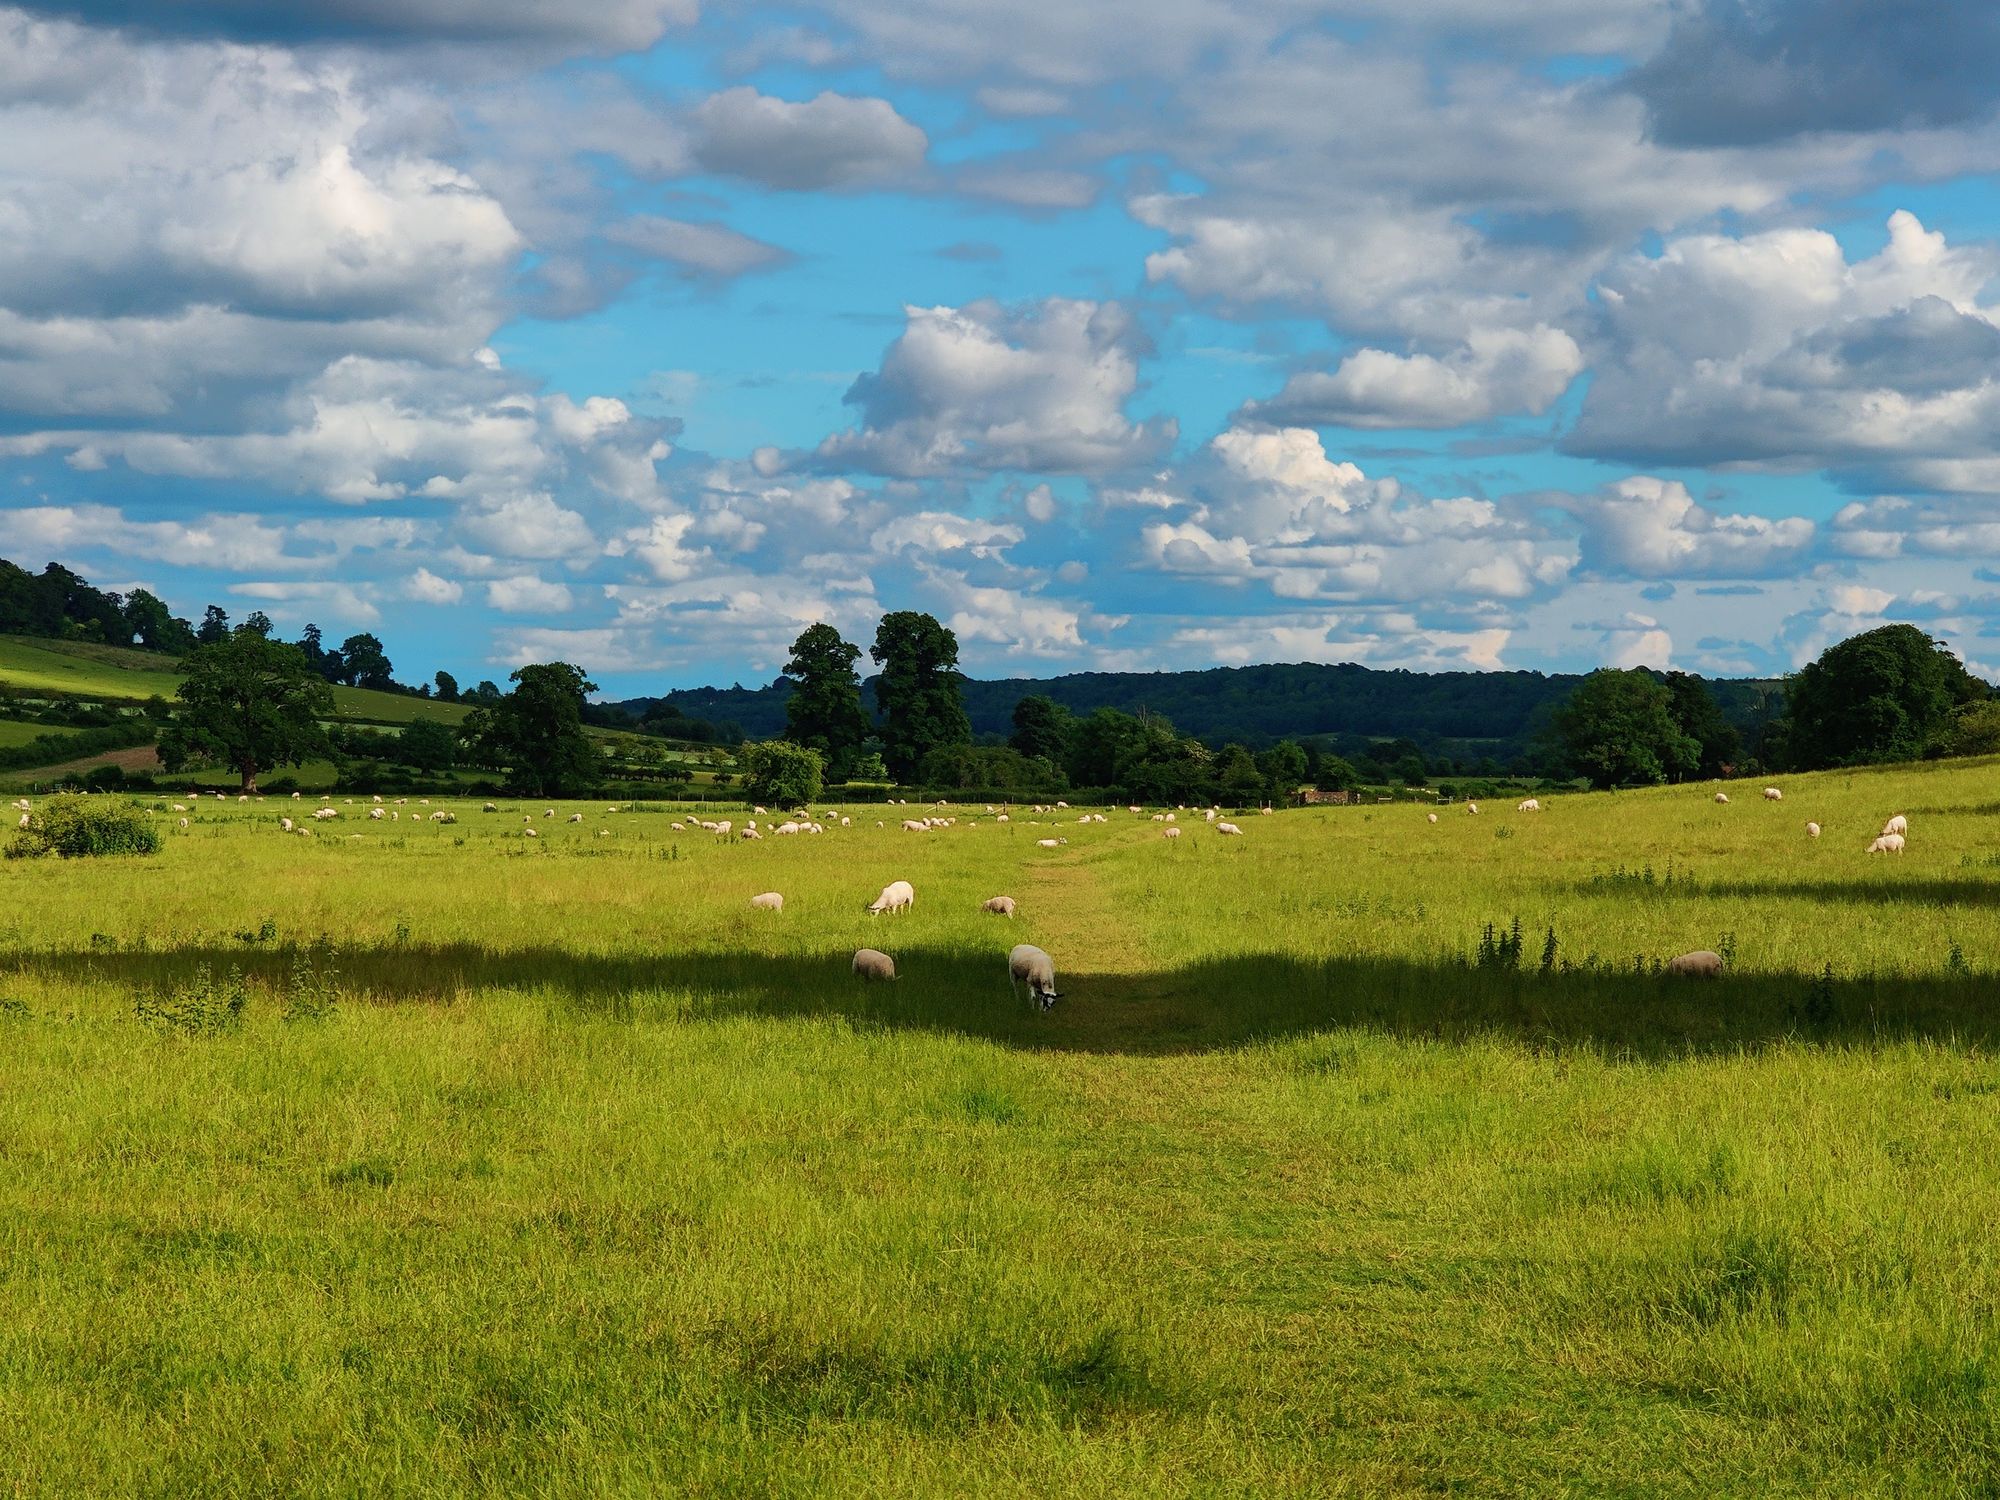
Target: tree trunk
x=249, y=769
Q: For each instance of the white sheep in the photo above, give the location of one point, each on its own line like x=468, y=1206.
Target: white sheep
x=678, y=827
x=1228, y=829
x=999, y=906
x=491, y=807
x=1170, y=833
x=722, y=827
x=1722, y=798
x=1029, y=965
x=295, y=796
x=1700, y=964
x=376, y=814
x=532, y=833
x=286, y=824
x=873, y=963
x=1472, y=807
x=750, y=833
x=897, y=896
x=1050, y=843
x=576, y=817
x=1773, y=794
x=184, y=821
x=1888, y=843
x=916, y=825
x=769, y=901
x=1812, y=830
x=180, y=807
x=1530, y=805
x=1897, y=824
x=1430, y=817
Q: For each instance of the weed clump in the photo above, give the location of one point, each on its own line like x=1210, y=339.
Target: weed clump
x=312, y=990
x=200, y=1006
x=76, y=827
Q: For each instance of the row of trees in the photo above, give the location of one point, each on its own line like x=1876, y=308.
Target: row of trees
x=1889, y=694
x=917, y=695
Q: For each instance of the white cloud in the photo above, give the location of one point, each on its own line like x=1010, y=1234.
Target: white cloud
x=1653, y=528
x=830, y=141
x=1039, y=388
x=526, y=594
x=698, y=249
x=1496, y=371
x=530, y=525
x=428, y=588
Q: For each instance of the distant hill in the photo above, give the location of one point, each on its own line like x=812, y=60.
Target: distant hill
x=1484, y=713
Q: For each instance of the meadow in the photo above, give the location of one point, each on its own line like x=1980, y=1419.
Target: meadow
x=438, y=1160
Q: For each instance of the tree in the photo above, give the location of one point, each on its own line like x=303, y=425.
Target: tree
x=258, y=623
x=1041, y=728
x=824, y=712
x=536, y=731
x=918, y=692
x=1878, y=696
x=1336, y=774
x=1284, y=768
x=149, y=622
x=214, y=626
x=1700, y=719
x=1236, y=773
x=447, y=687
x=1618, y=729
x=487, y=693
x=781, y=773
x=428, y=745
x=364, y=663
x=250, y=703
x=1974, y=729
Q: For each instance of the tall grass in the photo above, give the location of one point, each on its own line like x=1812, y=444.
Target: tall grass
x=546, y=1166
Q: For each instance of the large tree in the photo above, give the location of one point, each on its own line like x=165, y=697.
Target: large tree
x=536, y=731
x=364, y=663
x=1618, y=729
x=780, y=773
x=249, y=703
x=1700, y=718
x=824, y=712
x=918, y=691
x=1041, y=728
x=1882, y=695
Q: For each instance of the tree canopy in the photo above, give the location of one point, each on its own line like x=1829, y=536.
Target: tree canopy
x=249, y=703
x=536, y=731
x=1883, y=695
x=781, y=773
x=1618, y=729
x=824, y=712
x=918, y=691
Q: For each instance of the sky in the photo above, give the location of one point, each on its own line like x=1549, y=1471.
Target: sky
x=642, y=334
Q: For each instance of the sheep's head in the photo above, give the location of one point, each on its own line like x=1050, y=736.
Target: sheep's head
x=1049, y=998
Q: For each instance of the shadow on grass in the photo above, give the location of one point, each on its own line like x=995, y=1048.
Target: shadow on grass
x=1926, y=892
x=1225, y=1002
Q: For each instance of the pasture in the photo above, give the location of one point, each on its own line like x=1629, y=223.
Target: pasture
x=547, y=1166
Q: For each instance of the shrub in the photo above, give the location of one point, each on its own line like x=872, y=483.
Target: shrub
x=201, y=1006
x=781, y=773
x=73, y=827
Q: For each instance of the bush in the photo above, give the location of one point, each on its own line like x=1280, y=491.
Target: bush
x=201, y=1006
x=781, y=773
x=74, y=827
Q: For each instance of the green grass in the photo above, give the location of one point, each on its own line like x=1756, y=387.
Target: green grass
x=596, y=1182
x=13, y=732
x=84, y=670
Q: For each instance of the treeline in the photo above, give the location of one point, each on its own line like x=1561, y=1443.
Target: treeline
x=1887, y=695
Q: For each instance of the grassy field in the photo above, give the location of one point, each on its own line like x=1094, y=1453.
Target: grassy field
x=83, y=670
x=13, y=733
x=595, y=1182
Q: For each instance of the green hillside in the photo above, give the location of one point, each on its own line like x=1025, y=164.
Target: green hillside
x=116, y=674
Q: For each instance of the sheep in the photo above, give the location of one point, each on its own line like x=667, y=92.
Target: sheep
x=376, y=815
x=1897, y=824
x=180, y=807
x=678, y=827
x=1028, y=965
x=1700, y=964
x=750, y=833
x=491, y=807
x=897, y=896
x=1001, y=818
x=769, y=901
x=26, y=819
x=1209, y=815
x=1888, y=843
x=1050, y=843
x=1170, y=833
x=1159, y=817
x=441, y=816
x=286, y=824
x=872, y=964
x=721, y=828
x=548, y=812
x=184, y=821
x=1472, y=807
x=1773, y=794
x=1530, y=805
x=1265, y=812
x=1430, y=817
x=786, y=830
x=576, y=817
x=1812, y=830
x=531, y=833
x=1722, y=799
x=915, y=825
x=999, y=906
x=377, y=797
x=295, y=796
x=1228, y=829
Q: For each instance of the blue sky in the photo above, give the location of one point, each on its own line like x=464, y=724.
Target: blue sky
x=644, y=334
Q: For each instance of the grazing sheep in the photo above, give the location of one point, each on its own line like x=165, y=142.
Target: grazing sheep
x=286, y=824
x=1897, y=824
x=1227, y=828
x=441, y=816
x=1773, y=794
x=872, y=963
x=295, y=796
x=492, y=807
x=999, y=906
x=678, y=827
x=1530, y=805
x=1050, y=843
x=576, y=817
x=180, y=807
x=548, y=812
x=1430, y=817
x=897, y=896
x=1888, y=843
x=531, y=833
x=184, y=821
x=721, y=828
x=1001, y=818
x=1472, y=807
x=1812, y=830
x=27, y=818
x=1722, y=798
x=1170, y=833
x=1028, y=965
x=769, y=901
x=376, y=815
x=916, y=825
x=1700, y=964
x=750, y=833
x=1209, y=815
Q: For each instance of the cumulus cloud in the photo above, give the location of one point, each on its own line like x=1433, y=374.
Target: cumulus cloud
x=527, y=526
x=1040, y=388
x=1653, y=528
x=527, y=594
x=830, y=141
x=697, y=249
x=1496, y=371
x=428, y=588
x=1775, y=349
